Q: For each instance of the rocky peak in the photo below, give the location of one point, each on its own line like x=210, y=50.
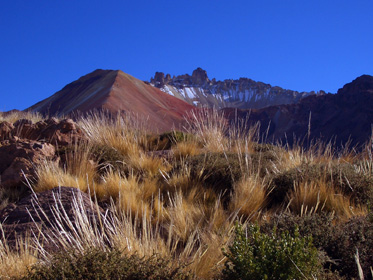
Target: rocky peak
x=199, y=77
x=160, y=79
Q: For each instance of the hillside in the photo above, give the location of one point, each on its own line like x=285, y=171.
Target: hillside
x=342, y=117
x=115, y=91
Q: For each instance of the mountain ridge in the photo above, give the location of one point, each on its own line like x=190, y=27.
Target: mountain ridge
x=243, y=93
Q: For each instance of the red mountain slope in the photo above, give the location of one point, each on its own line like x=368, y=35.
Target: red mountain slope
x=116, y=91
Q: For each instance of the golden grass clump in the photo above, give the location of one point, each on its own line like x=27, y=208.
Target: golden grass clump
x=14, y=263
x=78, y=171
x=50, y=175
x=185, y=149
x=210, y=127
x=14, y=116
x=249, y=197
x=121, y=132
x=315, y=197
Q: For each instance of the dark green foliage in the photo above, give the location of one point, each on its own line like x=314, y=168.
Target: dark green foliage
x=166, y=140
x=319, y=226
x=108, y=157
x=359, y=186
x=256, y=255
x=98, y=264
x=355, y=234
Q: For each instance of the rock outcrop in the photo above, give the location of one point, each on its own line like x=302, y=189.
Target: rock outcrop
x=61, y=133
x=25, y=144
x=18, y=160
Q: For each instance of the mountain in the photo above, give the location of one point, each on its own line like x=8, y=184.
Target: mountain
x=342, y=117
x=244, y=93
x=115, y=91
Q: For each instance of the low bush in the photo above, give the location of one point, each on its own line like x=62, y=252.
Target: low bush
x=257, y=255
x=98, y=264
x=355, y=235
x=338, y=240
x=319, y=226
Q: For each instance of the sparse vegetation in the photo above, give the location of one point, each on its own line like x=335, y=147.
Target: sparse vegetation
x=174, y=198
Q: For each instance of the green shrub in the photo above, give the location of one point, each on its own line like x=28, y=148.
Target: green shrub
x=98, y=264
x=359, y=186
x=108, y=158
x=318, y=226
x=256, y=255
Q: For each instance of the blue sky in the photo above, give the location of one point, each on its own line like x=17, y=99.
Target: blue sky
x=296, y=44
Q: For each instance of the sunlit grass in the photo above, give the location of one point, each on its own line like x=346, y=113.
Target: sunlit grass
x=315, y=197
x=162, y=205
x=14, y=116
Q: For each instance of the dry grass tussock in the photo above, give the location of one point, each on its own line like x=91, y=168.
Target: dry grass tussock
x=14, y=116
x=77, y=171
x=249, y=197
x=123, y=133
x=315, y=197
x=14, y=263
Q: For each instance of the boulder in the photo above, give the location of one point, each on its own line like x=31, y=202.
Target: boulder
x=45, y=215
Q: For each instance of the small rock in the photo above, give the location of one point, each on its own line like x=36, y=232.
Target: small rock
x=5, y=130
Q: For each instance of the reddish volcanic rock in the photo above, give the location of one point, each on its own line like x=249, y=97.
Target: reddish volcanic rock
x=51, y=130
x=116, y=92
x=18, y=158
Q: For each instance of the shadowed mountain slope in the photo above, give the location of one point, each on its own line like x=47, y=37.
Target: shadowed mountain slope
x=115, y=91
x=342, y=117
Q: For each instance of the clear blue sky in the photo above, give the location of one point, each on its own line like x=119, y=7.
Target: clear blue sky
x=299, y=44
